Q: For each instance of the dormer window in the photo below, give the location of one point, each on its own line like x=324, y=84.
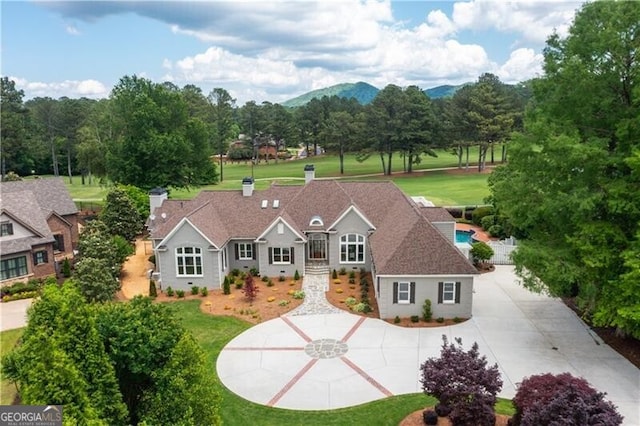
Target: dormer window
x=316, y=221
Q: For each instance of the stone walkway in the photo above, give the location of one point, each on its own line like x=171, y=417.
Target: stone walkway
x=315, y=302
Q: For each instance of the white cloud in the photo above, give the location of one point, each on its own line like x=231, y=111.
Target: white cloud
x=71, y=29
x=70, y=88
x=522, y=65
x=534, y=20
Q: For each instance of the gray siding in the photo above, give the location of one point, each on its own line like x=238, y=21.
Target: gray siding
x=351, y=223
x=426, y=288
x=286, y=239
x=242, y=265
x=448, y=229
x=187, y=236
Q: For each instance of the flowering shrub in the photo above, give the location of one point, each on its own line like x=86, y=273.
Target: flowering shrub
x=463, y=383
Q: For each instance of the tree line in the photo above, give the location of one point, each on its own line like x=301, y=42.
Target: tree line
x=157, y=134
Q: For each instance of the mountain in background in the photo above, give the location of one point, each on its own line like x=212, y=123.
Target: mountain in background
x=363, y=93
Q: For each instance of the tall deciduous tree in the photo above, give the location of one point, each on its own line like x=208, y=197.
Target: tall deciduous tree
x=14, y=153
x=222, y=105
x=156, y=143
x=571, y=186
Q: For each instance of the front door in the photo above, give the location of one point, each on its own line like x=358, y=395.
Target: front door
x=317, y=247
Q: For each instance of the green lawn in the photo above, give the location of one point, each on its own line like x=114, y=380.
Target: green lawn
x=444, y=189
x=214, y=332
x=8, y=341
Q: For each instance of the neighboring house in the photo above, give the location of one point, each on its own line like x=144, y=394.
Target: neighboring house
x=329, y=224
x=38, y=228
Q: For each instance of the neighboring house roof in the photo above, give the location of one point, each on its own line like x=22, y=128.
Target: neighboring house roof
x=51, y=194
x=404, y=241
x=23, y=208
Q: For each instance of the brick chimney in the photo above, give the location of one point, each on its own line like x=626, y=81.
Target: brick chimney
x=309, y=173
x=247, y=187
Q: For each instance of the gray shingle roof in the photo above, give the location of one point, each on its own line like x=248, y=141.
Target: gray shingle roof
x=51, y=194
x=404, y=243
x=23, y=207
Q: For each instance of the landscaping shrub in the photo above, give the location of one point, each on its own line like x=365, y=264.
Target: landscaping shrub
x=343, y=271
x=334, y=274
x=468, y=213
x=169, y=291
x=488, y=221
x=281, y=278
x=572, y=406
x=396, y=320
x=363, y=273
x=239, y=284
x=283, y=302
x=180, y=294
x=226, y=286
x=352, y=275
x=564, y=397
x=440, y=320
x=480, y=212
x=153, y=292
x=415, y=318
x=235, y=272
x=299, y=294
x=364, y=282
x=496, y=231
x=457, y=320
x=352, y=280
x=204, y=292
x=350, y=301
x=66, y=268
x=481, y=252
x=455, y=212
x=427, y=313
x=254, y=272
x=430, y=417
x=152, y=259
x=265, y=278
x=195, y=290
x=296, y=275
x=462, y=381
x=269, y=283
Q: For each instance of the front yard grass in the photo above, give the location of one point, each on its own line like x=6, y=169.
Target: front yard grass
x=214, y=332
x=8, y=340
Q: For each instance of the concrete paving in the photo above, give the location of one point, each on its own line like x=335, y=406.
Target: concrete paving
x=322, y=361
x=14, y=314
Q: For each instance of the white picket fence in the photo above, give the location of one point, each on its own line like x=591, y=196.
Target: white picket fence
x=502, y=251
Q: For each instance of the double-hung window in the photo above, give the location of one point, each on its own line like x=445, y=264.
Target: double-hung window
x=281, y=255
x=40, y=257
x=449, y=292
x=352, y=248
x=189, y=261
x=245, y=251
x=403, y=292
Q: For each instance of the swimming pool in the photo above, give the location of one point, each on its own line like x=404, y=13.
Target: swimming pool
x=464, y=236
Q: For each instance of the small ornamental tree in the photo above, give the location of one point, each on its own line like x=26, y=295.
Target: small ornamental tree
x=563, y=398
x=250, y=290
x=463, y=383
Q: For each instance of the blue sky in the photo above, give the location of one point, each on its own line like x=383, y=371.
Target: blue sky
x=272, y=50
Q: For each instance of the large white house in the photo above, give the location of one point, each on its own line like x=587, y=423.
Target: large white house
x=408, y=248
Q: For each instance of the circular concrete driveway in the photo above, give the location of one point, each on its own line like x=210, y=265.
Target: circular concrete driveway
x=327, y=361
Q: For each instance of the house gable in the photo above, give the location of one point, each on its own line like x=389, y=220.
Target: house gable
x=177, y=232
x=349, y=215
